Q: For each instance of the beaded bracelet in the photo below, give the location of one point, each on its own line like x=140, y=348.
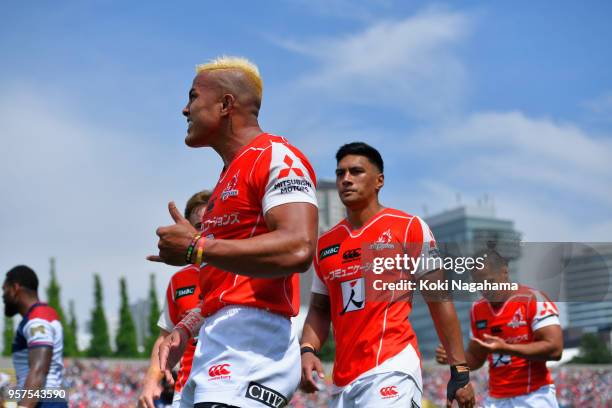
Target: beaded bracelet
x=194, y=242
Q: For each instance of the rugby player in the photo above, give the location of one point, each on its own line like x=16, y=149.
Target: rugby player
x=377, y=362
x=517, y=332
x=39, y=341
x=258, y=230
x=182, y=296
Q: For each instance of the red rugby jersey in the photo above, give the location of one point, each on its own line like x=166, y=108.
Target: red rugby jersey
x=369, y=327
x=266, y=173
x=182, y=296
x=526, y=311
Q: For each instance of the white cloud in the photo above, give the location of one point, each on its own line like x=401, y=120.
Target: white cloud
x=91, y=196
x=406, y=64
x=551, y=178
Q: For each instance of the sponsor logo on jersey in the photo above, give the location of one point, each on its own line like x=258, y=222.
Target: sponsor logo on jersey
x=266, y=396
x=353, y=295
x=293, y=185
x=500, y=360
x=221, y=221
x=481, y=324
x=496, y=330
x=351, y=254
x=389, y=392
x=185, y=291
x=219, y=371
x=37, y=329
x=287, y=170
x=230, y=189
x=518, y=319
x=329, y=251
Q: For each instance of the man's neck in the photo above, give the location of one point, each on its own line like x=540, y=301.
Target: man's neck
x=358, y=217
x=25, y=306
x=231, y=143
x=501, y=298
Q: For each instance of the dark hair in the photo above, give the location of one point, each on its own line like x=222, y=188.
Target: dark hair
x=196, y=200
x=24, y=276
x=361, y=149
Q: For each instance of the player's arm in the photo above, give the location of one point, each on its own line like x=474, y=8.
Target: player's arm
x=314, y=335
x=547, y=345
x=287, y=248
x=39, y=361
x=447, y=326
x=475, y=356
x=151, y=389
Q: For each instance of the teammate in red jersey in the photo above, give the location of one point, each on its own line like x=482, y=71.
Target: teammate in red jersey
x=182, y=296
x=377, y=363
x=517, y=332
x=259, y=229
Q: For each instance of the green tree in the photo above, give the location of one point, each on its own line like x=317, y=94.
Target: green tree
x=54, y=300
x=71, y=342
x=9, y=334
x=593, y=350
x=125, y=340
x=153, y=331
x=100, y=341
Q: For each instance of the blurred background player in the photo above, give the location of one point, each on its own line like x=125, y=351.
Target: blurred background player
x=182, y=296
x=517, y=331
x=39, y=342
x=377, y=363
x=259, y=229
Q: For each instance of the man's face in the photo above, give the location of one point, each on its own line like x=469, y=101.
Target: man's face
x=195, y=218
x=202, y=111
x=357, y=180
x=491, y=275
x=9, y=296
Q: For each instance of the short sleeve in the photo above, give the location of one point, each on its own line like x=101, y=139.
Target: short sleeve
x=543, y=312
x=38, y=333
x=284, y=176
x=318, y=286
x=165, y=321
x=420, y=243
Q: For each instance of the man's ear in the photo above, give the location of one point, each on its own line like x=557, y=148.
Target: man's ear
x=380, y=181
x=227, y=104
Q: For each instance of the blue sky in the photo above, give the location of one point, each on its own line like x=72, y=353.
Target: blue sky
x=510, y=100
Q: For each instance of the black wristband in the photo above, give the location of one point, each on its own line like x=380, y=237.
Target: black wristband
x=460, y=377
x=307, y=349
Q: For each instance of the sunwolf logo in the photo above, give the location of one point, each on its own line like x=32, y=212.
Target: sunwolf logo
x=180, y=292
x=265, y=395
x=329, y=251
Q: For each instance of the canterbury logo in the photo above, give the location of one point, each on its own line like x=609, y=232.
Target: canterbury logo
x=219, y=370
x=285, y=172
x=351, y=254
x=389, y=392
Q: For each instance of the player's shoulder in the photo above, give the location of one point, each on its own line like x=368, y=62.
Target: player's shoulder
x=480, y=305
x=188, y=272
x=43, y=312
x=531, y=294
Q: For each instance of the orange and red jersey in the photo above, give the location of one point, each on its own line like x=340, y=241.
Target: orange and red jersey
x=182, y=296
x=526, y=311
x=368, y=328
x=265, y=173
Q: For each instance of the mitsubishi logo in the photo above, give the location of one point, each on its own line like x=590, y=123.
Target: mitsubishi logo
x=285, y=172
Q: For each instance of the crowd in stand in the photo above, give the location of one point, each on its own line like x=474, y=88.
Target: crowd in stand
x=104, y=384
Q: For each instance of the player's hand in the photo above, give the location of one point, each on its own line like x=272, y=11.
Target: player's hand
x=441, y=357
x=310, y=363
x=151, y=391
x=459, y=388
x=171, y=350
x=174, y=239
x=464, y=397
x=492, y=344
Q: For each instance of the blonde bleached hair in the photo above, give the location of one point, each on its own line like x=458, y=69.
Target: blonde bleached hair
x=237, y=63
